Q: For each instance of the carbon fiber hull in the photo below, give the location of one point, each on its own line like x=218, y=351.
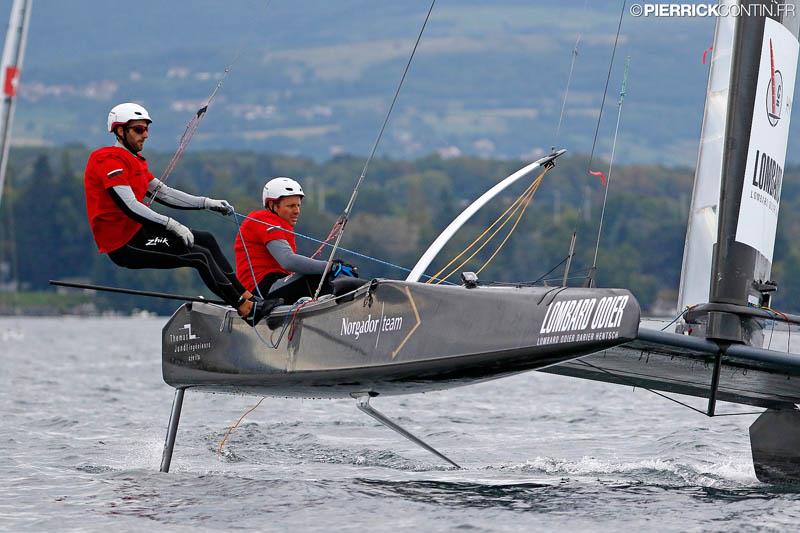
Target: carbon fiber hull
x=394, y=337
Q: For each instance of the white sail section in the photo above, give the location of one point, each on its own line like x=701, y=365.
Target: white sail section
x=10, y=67
x=701, y=233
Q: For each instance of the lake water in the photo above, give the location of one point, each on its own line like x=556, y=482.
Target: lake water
x=84, y=412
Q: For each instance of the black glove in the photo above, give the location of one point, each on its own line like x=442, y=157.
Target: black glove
x=340, y=268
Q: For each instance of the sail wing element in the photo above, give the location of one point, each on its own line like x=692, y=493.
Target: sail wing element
x=701, y=234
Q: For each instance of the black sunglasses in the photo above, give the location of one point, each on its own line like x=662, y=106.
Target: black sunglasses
x=139, y=129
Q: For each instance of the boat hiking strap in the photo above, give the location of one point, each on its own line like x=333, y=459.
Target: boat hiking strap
x=191, y=127
x=342, y=222
x=517, y=208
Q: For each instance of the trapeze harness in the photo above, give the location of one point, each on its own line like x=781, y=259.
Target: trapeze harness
x=134, y=236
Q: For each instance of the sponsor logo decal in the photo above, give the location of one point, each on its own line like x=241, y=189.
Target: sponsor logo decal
x=155, y=241
x=774, y=90
x=399, y=328
x=583, y=319
x=357, y=328
x=767, y=177
x=766, y=151
x=188, y=342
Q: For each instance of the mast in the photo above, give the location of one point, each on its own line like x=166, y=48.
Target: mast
x=763, y=68
x=10, y=67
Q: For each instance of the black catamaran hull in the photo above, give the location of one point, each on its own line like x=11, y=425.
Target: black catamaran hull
x=394, y=337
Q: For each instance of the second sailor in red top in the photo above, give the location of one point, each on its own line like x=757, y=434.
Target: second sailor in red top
x=267, y=261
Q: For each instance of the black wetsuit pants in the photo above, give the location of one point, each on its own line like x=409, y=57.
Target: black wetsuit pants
x=303, y=286
x=155, y=247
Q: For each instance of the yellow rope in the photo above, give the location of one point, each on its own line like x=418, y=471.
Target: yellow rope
x=234, y=426
x=522, y=201
x=521, y=213
x=514, y=206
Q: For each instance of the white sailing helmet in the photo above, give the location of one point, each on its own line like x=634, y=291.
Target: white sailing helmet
x=280, y=187
x=123, y=113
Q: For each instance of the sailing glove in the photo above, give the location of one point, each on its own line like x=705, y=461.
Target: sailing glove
x=220, y=206
x=340, y=268
x=181, y=231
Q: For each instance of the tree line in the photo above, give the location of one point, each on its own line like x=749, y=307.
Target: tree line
x=401, y=208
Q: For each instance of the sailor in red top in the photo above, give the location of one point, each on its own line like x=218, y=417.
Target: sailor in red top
x=267, y=261
x=117, y=181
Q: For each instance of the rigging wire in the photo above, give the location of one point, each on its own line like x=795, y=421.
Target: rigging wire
x=342, y=222
x=634, y=385
x=521, y=200
x=680, y=314
x=611, y=161
x=512, y=208
x=320, y=242
x=188, y=132
x=589, y=276
x=544, y=276
x=788, y=326
x=569, y=81
x=608, y=79
x=526, y=203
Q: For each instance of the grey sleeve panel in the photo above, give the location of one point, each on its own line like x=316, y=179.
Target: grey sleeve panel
x=173, y=197
x=125, y=195
x=293, y=262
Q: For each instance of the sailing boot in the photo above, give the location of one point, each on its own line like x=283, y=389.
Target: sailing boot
x=261, y=309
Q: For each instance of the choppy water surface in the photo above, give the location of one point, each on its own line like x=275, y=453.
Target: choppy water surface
x=84, y=413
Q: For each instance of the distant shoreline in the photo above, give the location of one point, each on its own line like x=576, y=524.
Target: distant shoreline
x=54, y=304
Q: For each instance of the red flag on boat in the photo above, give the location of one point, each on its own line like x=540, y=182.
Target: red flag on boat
x=10, y=83
x=600, y=175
